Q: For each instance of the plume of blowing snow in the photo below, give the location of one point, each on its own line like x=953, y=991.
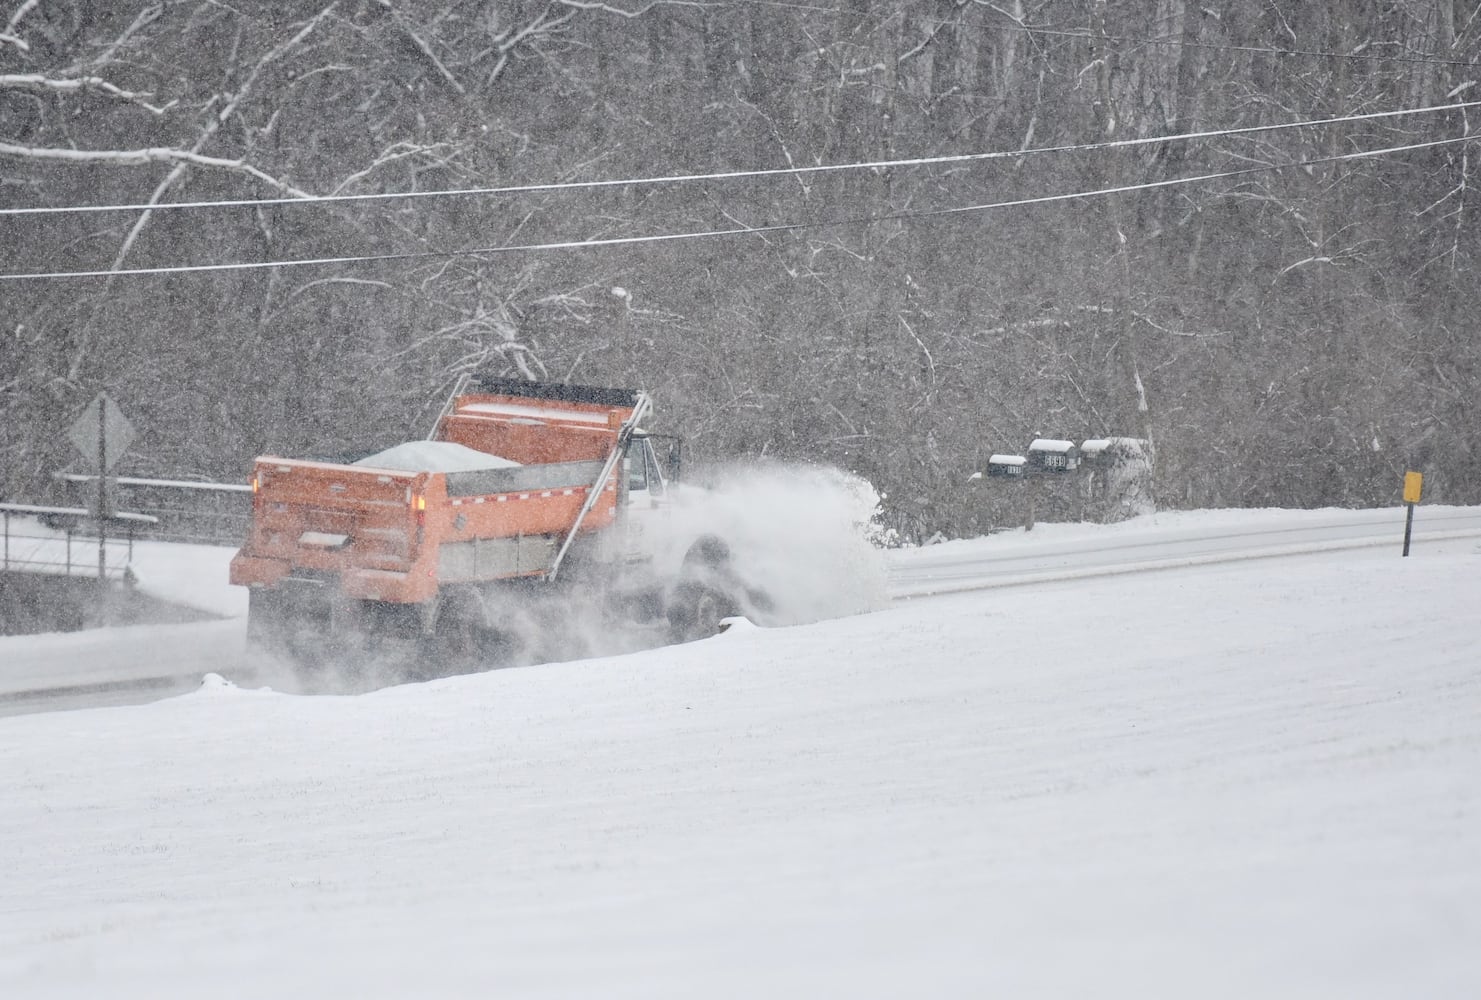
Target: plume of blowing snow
x=799, y=534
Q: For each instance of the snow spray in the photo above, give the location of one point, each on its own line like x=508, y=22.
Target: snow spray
x=801, y=534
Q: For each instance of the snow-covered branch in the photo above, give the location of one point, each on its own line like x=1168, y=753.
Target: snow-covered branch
x=143, y=19
x=639, y=12
x=73, y=85
x=9, y=35
x=20, y=12
x=545, y=23
x=1171, y=332
x=924, y=43
x=143, y=157
x=425, y=49
x=398, y=151
x=1017, y=18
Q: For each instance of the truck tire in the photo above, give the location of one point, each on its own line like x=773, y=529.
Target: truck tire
x=706, y=592
x=696, y=611
x=288, y=630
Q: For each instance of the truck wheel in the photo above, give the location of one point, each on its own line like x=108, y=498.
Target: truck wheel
x=289, y=631
x=454, y=640
x=703, y=597
x=696, y=612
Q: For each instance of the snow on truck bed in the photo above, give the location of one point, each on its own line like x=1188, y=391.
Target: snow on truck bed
x=434, y=456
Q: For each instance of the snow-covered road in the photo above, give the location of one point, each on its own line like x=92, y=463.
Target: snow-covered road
x=1245, y=779
x=140, y=664
x=1161, y=541
x=116, y=666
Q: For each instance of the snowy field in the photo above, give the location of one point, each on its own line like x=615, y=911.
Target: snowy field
x=1254, y=778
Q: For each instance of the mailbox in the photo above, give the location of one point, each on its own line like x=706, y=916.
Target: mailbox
x=1006, y=465
x=1052, y=455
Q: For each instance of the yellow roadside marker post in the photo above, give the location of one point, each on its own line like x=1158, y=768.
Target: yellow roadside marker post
x=1413, y=485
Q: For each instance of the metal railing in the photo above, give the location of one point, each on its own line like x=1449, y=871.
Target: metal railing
x=40, y=539
x=186, y=511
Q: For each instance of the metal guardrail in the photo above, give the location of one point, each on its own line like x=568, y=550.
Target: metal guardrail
x=187, y=511
x=39, y=551
x=174, y=484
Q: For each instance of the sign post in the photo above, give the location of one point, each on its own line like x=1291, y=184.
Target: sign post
x=1413, y=486
x=102, y=433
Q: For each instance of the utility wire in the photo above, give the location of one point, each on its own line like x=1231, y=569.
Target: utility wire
x=737, y=231
x=729, y=175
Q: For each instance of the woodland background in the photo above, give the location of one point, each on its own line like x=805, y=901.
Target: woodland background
x=1289, y=335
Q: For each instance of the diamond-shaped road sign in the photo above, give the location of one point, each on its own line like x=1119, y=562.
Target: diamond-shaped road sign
x=102, y=425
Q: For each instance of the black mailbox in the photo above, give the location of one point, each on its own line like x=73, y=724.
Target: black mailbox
x=1006, y=465
x=1052, y=455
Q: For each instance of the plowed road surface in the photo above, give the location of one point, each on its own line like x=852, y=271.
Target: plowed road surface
x=144, y=663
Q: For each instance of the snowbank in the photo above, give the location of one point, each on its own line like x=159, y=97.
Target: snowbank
x=1228, y=782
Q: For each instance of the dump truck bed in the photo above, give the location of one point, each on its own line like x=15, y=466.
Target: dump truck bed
x=397, y=535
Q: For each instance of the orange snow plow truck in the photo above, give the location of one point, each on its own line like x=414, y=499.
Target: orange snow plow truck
x=464, y=550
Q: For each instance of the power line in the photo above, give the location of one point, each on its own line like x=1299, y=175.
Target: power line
x=736, y=231
x=729, y=175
